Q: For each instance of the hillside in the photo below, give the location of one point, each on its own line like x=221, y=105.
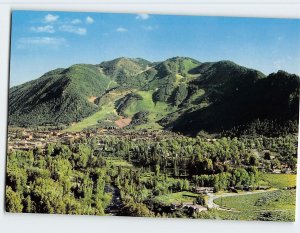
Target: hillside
x=59, y=96
x=123, y=70
x=179, y=94
x=248, y=100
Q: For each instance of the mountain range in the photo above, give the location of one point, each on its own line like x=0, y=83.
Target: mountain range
x=179, y=94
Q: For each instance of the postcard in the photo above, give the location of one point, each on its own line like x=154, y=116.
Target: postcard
x=153, y=115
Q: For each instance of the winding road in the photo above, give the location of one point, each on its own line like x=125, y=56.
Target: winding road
x=211, y=197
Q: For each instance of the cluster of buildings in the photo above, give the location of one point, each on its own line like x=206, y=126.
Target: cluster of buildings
x=28, y=139
x=23, y=139
x=134, y=135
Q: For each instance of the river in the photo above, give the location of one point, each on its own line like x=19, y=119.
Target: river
x=115, y=206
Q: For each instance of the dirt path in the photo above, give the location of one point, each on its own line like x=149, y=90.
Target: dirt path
x=92, y=99
x=122, y=122
x=211, y=197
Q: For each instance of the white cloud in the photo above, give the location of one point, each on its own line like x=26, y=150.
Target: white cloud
x=72, y=29
x=76, y=21
x=89, y=20
x=47, y=28
x=121, y=29
x=40, y=41
x=142, y=16
x=50, y=18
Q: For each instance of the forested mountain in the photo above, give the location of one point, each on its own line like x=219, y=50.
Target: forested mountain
x=59, y=96
x=240, y=99
x=180, y=94
x=123, y=70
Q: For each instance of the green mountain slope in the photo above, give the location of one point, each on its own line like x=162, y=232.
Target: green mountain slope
x=240, y=103
x=59, y=96
x=180, y=94
x=123, y=70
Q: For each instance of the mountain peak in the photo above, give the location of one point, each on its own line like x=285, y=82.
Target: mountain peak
x=121, y=69
x=181, y=58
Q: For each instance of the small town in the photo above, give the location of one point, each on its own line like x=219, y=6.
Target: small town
x=26, y=139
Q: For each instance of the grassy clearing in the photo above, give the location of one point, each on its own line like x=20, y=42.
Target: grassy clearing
x=180, y=79
x=118, y=162
x=279, y=180
x=189, y=64
x=276, y=205
x=279, y=199
x=111, y=84
x=177, y=198
x=107, y=108
x=93, y=119
x=149, y=126
x=157, y=111
x=146, y=104
x=195, y=98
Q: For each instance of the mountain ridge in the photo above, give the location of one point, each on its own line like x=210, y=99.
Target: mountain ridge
x=179, y=94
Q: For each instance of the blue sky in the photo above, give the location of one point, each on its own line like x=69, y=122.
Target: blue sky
x=42, y=41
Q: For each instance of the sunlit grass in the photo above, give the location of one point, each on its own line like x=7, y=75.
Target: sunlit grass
x=177, y=198
x=279, y=180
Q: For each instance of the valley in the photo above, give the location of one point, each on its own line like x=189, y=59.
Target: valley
x=178, y=138
x=150, y=173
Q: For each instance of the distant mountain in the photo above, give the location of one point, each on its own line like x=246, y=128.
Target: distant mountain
x=180, y=94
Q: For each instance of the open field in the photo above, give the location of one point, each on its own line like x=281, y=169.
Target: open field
x=277, y=205
x=118, y=162
x=93, y=119
x=107, y=108
x=156, y=110
x=147, y=104
x=279, y=180
x=177, y=198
